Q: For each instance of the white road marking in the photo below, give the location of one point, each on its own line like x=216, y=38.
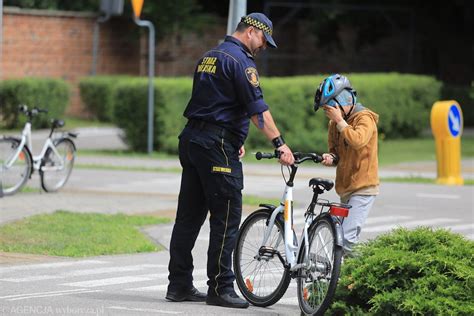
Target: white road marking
x=403, y=207
x=384, y=219
x=164, y=287
x=127, y=279
x=41, y=293
x=289, y=300
x=145, y=310
x=438, y=196
x=461, y=227
x=83, y=273
x=50, y=265
x=109, y=281
x=51, y=295
x=411, y=224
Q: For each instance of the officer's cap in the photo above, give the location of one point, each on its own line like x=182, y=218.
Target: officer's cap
x=260, y=21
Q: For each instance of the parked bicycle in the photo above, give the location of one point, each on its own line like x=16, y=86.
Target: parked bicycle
x=268, y=253
x=54, y=163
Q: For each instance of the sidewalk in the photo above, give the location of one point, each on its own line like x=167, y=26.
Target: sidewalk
x=424, y=169
x=112, y=138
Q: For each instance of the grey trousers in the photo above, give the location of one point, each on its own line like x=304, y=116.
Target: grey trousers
x=352, y=226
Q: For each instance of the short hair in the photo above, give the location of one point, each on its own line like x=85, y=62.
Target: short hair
x=242, y=26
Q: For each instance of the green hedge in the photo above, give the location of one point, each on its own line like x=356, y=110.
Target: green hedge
x=402, y=101
x=419, y=272
x=51, y=94
x=98, y=95
x=131, y=111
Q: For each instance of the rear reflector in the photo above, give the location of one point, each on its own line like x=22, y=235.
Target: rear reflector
x=339, y=211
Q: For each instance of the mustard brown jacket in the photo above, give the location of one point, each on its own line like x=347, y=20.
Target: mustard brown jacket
x=356, y=146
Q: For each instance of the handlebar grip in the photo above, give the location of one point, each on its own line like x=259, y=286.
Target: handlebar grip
x=22, y=108
x=317, y=158
x=260, y=155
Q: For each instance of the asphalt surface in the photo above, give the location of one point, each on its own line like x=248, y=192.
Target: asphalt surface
x=136, y=284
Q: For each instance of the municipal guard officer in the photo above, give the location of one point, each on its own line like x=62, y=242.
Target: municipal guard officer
x=226, y=95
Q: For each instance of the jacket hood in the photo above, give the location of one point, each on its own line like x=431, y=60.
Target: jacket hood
x=359, y=109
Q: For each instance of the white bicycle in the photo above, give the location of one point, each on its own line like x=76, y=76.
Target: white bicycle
x=54, y=162
x=267, y=253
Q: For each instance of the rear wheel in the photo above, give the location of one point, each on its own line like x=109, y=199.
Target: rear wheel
x=56, y=168
x=261, y=276
x=15, y=167
x=317, y=282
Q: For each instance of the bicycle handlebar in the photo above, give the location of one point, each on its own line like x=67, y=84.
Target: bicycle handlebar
x=299, y=157
x=34, y=111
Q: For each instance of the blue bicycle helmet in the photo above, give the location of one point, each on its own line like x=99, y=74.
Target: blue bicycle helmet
x=335, y=90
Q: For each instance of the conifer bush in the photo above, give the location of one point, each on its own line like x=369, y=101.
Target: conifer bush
x=408, y=272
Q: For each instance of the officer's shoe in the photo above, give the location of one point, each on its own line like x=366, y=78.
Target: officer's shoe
x=227, y=300
x=192, y=295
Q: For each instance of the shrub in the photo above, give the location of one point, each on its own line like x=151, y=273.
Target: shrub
x=402, y=101
x=98, y=95
x=51, y=94
x=131, y=112
x=418, y=272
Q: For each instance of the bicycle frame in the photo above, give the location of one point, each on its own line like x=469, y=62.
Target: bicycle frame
x=286, y=207
x=292, y=246
x=26, y=141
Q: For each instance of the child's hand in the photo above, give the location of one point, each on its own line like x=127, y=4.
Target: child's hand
x=328, y=160
x=333, y=113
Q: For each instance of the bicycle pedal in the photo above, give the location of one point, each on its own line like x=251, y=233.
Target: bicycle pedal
x=267, y=250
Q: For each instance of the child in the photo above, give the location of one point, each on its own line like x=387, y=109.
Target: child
x=352, y=143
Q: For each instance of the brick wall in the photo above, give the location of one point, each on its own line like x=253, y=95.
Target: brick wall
x=58, y=44
x=40, y=43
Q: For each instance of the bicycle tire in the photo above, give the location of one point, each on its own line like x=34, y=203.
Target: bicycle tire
x=52, y=178
x=255, y=287
x=316, y=287
x=14, y=177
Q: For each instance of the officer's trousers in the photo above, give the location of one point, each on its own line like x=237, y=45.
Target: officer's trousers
x=211, y=180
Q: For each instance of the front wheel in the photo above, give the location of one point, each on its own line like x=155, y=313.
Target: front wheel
x=317, y=281
x=15, y=166
x=261, y=276
x=56, y=166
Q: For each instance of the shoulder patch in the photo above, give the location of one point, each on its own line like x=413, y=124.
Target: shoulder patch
x=252, y=76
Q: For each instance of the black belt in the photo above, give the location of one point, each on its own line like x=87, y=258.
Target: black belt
x=219, y=130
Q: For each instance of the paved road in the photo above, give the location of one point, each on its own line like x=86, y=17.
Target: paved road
x=136, y=284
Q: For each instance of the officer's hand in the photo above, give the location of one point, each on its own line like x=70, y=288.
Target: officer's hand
x=286, y=156
x=328, y=159
x=241, y=152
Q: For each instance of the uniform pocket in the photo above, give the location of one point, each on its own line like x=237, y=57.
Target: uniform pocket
x=229, y=178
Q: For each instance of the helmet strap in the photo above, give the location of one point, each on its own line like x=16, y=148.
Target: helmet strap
x=346, y=116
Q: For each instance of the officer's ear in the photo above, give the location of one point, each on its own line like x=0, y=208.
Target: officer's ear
x=250, y=31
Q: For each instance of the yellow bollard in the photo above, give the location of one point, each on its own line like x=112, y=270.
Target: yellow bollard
x=447, y=125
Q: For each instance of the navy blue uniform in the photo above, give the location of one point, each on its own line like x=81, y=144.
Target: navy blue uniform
x=226, y=93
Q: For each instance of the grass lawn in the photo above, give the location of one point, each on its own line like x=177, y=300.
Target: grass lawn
x=78, y=234
x=252, y=200
x=419, y=180
x=420, y=149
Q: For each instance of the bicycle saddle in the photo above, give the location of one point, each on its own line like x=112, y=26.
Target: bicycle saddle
x=58, y=123
x=325, y=183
